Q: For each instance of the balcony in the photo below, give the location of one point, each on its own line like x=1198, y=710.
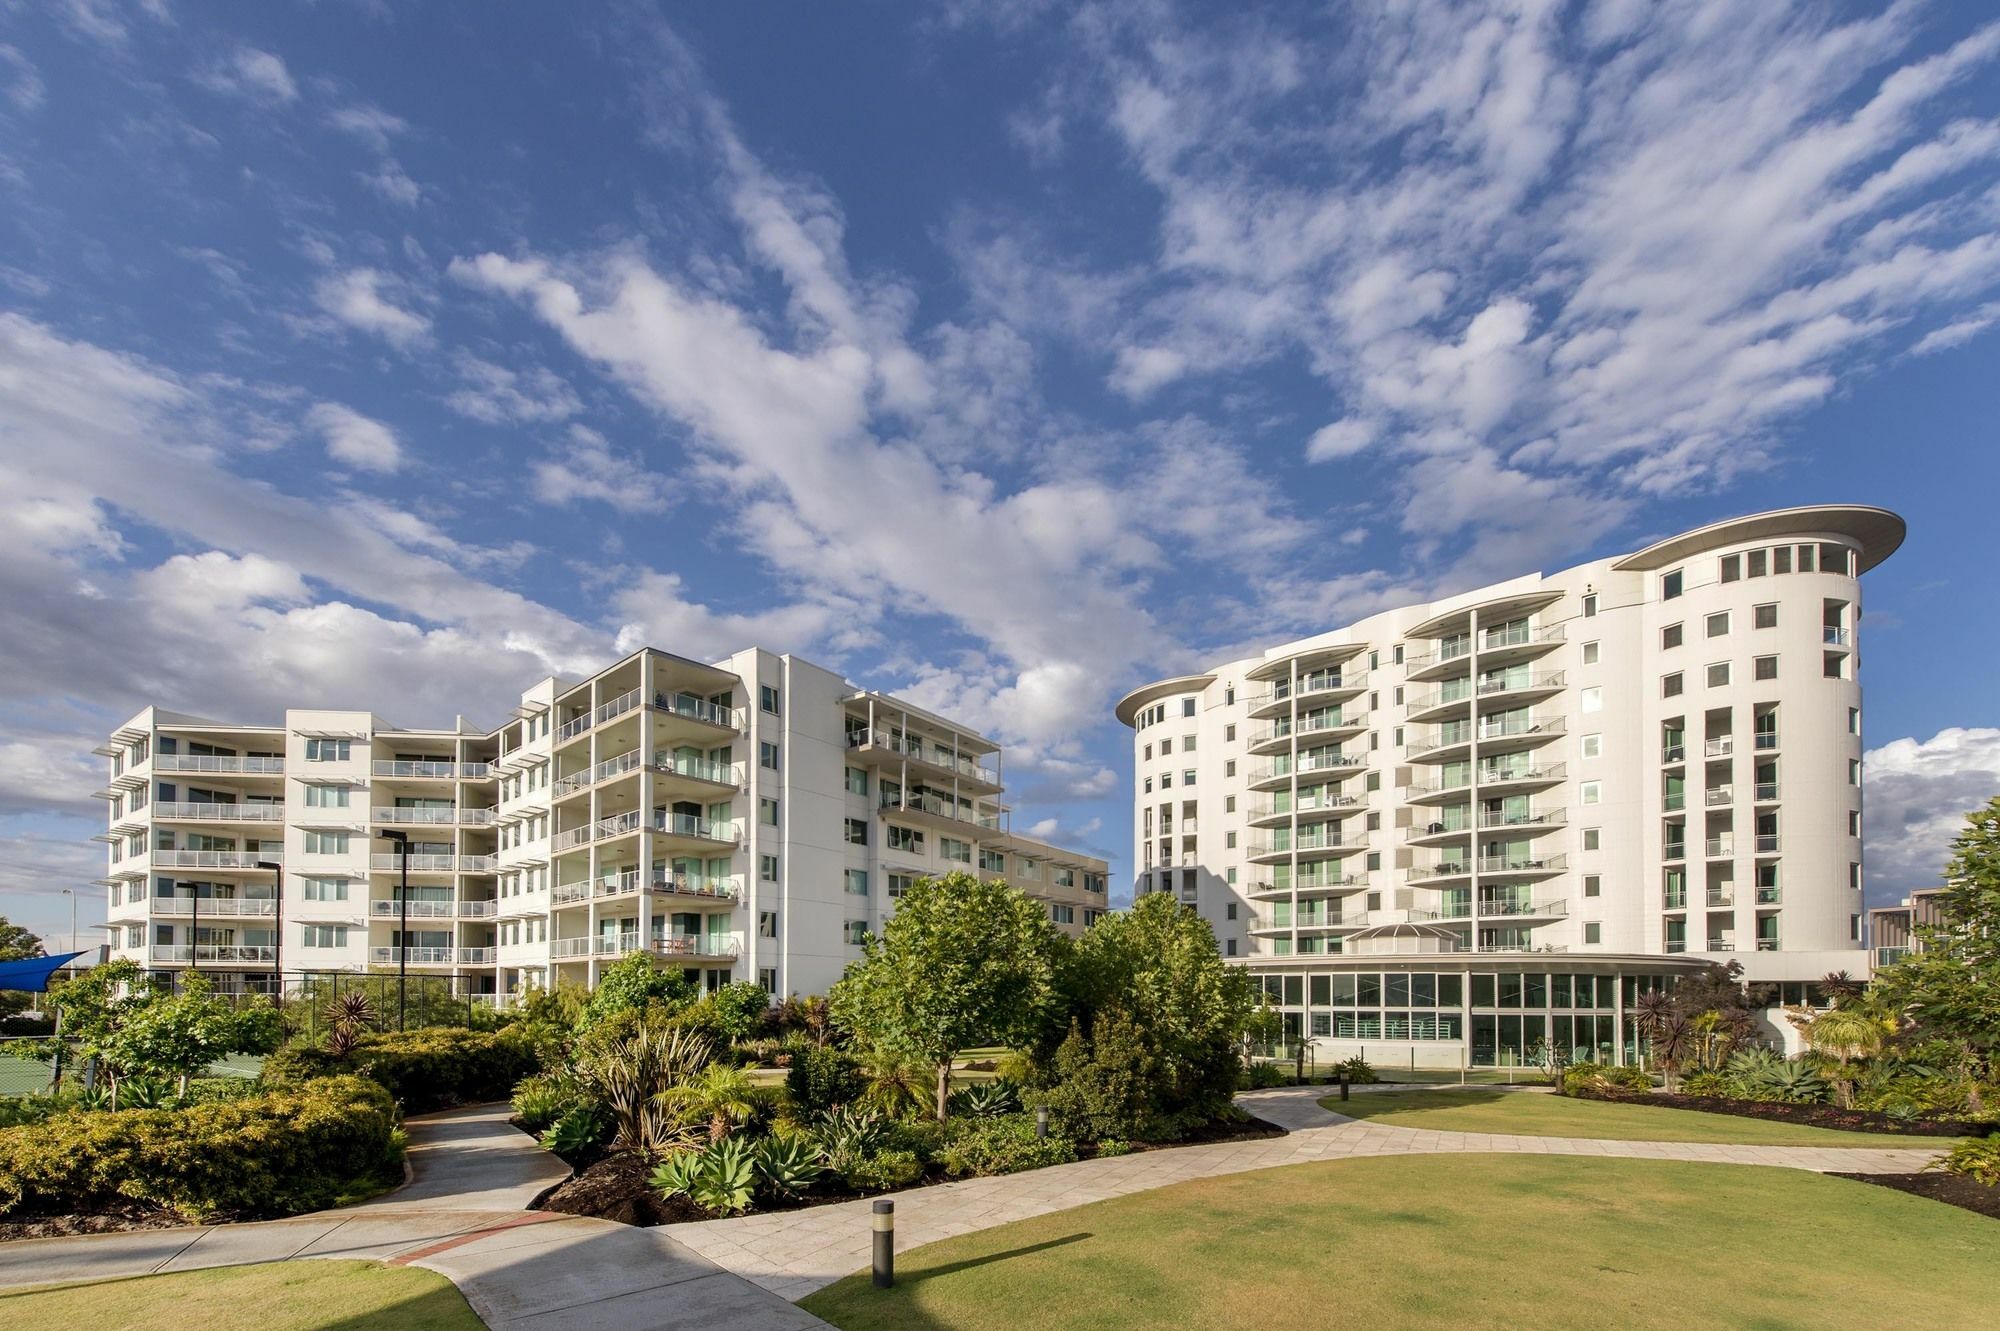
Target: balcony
x=1441, y=871
x=1889, y=956
x=565, y=786
x=1673, y=900
x=238, y=954
x=1521, y=774
x=1517, y=866
x=1673, y=801
x=1767, y=844
x=1424, y=792
x=419, y=910
x=1767, y=741
x=409, y=769
x=1315, y=685
x=1720, y=945
x=1530, y=819
x=1519, y=688
x=1518, y=731
x=894, y=748
x=698, y=769
x=1329, y=762
x=699, y=711
x=621, y=824
x=571, y=838
x=1767, y=945
x=1834, y=637
x=478, y=863
x=217, y=765
x=1720, y=746
x=692, y=827
x=1424, y=834
x=213, y=859
x=617, y=707
x=1769, y=895
x=1674, y=945
x=416, y=817
x=691, y=945
x=479, y=908
x=1520, y=635
x=1454, y=696
x=426, y=956
x=1442, y=744
x=213, y=906
x=1447, y=654
x=712, y=887
x=571, y=947
x=1510, y=908
x=424, y=863
x=249, y=811
x=1674, y=850
x=1673, y=753
x=1721, y=896
x=1767, y=792
x=1719, y=847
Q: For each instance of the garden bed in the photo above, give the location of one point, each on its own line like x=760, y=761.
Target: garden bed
x=1951, y=1189
x=617, y=1187
x=1816, y=1116
x=63, y=1226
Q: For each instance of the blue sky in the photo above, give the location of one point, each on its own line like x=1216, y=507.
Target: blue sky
x=1001, y=355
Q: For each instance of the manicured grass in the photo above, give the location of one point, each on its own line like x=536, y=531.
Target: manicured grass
x=1462, y=1241
x=276, y=1296
x=1530, y=1114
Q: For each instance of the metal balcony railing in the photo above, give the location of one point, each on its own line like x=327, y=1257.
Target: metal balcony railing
x=226, y=953
x=249, y=811
x=214, y=763
x=416, y=768
x=217, y=906
x=213, y=859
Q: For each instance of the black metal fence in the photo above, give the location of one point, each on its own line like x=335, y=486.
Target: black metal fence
x=397, y=1001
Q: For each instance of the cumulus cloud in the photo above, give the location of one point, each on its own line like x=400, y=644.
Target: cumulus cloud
x=365, y=299
x=357, y=440
x=497, y=395
x=1917, y=794
x=252, y=73
x=586, y=468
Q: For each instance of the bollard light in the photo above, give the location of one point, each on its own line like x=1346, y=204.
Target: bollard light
x=885, y=1244
x=1343, y=1083
x=1042, y=1124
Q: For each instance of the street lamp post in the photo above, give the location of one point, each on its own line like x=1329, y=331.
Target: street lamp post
x=70, y=892
x=278, y=937
x=402, y=841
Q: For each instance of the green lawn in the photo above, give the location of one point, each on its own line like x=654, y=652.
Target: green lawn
x=1465, y=1241
x=1529, y=1114
x=278, y=1296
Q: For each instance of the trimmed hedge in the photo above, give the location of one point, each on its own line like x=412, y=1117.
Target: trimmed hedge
x=433, y=1067
x=279, y=1153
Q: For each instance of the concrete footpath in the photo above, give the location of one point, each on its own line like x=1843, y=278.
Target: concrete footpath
x=464, y=1216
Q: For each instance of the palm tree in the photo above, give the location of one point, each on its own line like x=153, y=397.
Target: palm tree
x=897, y=1087
x=1839, y=986
x=722, y=1094
x=1673, y=1041
x=1844, y=1035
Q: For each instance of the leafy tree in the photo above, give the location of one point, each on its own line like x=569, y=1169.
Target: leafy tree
x=633, y=984
x=16, y=944
x=741, y=1008
x=1949, y=986
x=960, y=964
x=93, y=1008
x=179, y=1034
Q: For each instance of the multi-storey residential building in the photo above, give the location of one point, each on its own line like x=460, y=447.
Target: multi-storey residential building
x=750, y=819
x=1892, y=930
x=1465, y=827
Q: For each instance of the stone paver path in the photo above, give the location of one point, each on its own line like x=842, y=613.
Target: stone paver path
x=793, y=1253
x=464, y=1217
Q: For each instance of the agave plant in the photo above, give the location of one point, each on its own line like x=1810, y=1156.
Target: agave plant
x=787, y=1166
x=720, y=1177
x=576, y=1131
x=1794, y=1082
x=136, y=1094
x=847, y=1135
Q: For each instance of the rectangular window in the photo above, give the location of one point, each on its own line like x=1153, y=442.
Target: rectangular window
x=857, y=882
x=1590, y=653
x=1187, y=743
x=1757, y=563
x=767, y=755
x=1593, y=932
x=767, y=868
x=1670, y=685
x=952, y=848
x=326, y=843
x=1670, y=585
x=1593, y=792
x=857, y=932
x=327, y=750
x=767, y=811
x=1590, y=607
x=1853, y=771
x=1187, y=707
x=323, y=889
x=857, y=781
x=1671, y=636
x=1593, y=698
x=1732, y=567
x=857, y=831
x=1187, y=777
x=900, y=883
x=1718, y=675
x=1592, y=838
x=1765, y=616
x=1854, y=822
x=1593, y=885
x=767, y=698
x=1166, y=747
x=1062, y=914
x=906, y=839
x=1765, y=667
x=1593, y=746
x=1854, y=720
x=1717, y=624
x=328, y=797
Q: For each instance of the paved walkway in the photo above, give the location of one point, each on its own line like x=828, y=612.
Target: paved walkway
x=793, y=1253
x=464, y=1217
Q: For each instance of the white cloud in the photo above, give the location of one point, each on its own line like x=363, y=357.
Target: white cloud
x=20, y=82
x=1917, y=795
x=1140, y=370
x=371, y=124
x=1342, y=439
x=394, y=184
x=497, y=395
x=357, y=440
x=362, y=298
x=249, y=72
x=586, y=468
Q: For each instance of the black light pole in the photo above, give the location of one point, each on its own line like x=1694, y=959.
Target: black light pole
x=194, y=937
x=402, y=840
x=278, y=939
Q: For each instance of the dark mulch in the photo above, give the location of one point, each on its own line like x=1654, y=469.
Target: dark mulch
x=1951, y=1189
x=62, y=1226
x=1817, y=1116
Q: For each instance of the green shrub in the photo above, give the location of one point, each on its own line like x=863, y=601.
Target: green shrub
x=1264, y=1076
x=1005, y=1144
x=578, y=1131
x=1113, y=1146
x=276, y=1153
x=545, y=1097
x=884, y=1171
x=720, y=1177
x=1705, y=1084
x=1978, y=1160
x=985, y=1100
x=1599, y=1078
x=821, y=1079
x=24, y=1110
x=786, y=1166
x=1357, y=1070
x=1103, y=1085
x=433, y=1067
x=1780, y=1080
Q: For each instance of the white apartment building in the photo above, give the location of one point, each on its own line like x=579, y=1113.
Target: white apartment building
x=1455, y=830
x=753, y=819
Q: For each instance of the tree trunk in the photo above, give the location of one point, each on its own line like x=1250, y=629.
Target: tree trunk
x=943, y=1087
